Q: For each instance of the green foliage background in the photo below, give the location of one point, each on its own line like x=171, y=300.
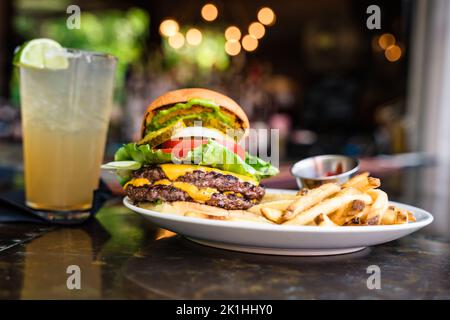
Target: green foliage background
x=120, y=33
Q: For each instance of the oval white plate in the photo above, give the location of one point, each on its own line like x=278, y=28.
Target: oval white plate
x=280, y=239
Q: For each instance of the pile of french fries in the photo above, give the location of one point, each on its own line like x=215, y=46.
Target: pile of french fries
x=357, y=202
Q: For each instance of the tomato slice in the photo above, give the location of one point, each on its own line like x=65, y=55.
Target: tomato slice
x=234, y=147
x=184, y=143
x=181, y=147
x=176, y=152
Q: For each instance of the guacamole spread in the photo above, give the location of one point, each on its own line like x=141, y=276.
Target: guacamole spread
x=206, y=111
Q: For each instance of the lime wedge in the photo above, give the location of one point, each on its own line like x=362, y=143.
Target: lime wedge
x=41, y=54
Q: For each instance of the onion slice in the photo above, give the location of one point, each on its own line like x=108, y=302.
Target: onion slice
x=201, y=132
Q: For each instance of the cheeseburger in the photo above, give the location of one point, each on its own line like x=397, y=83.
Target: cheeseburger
x=189, y=153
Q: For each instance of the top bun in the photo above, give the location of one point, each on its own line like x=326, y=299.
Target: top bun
x=183, y=95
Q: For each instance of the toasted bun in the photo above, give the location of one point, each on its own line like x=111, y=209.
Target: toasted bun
x=183, y=95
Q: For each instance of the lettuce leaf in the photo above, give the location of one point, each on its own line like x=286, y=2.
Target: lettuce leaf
x=215, y=155
x=142, y=154
x=138, y=154
x=211, y=154
x=263, y=167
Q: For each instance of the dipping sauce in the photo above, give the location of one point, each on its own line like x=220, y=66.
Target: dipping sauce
x=339, y=169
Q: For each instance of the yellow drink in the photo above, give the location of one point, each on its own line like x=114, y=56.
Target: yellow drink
x=62, y=170
x=65, y=116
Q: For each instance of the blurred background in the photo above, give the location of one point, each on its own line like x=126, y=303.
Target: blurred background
x=312, y=69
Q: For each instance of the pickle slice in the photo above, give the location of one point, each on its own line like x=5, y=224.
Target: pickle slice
x=155, y=138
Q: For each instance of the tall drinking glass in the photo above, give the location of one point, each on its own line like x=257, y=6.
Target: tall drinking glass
x=65, y=117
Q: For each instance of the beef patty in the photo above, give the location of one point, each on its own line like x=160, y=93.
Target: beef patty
x=249, y=194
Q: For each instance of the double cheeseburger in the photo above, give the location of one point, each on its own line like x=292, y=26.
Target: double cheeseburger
x=189, y=153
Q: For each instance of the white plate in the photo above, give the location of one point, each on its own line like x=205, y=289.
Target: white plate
x=280, y=239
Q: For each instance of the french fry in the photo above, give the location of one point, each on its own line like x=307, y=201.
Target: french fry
x=272, y=214
x=310, y=199
x=270, y=197
x=338, y=216
x=204, y=215
x=329, y=205
x=232, y=215
x=402, y=217
x=356, y=181
x=373, y=183
x=197, y=207
x=278, y=205
x=348, y=212
x=302, y=192
x=322, y=220
x=362, y=182
x=358, y=219
x=390, y=216
x=379, y=206
x=246, y=216
x=411, y=217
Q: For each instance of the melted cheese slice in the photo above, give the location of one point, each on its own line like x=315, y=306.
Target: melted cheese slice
x=164, y=182
x=137, y=182
x=198, y=195
x=173, y=171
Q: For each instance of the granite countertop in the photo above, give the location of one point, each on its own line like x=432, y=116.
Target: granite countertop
x=120, y=255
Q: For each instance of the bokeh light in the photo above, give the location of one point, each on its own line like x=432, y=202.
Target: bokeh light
x=176, y=41
x=249, y=43
x=233, y=33
x=169, y=27
x=194, y=37
x=386, y=40
x=209, y=12
x=393, y=53
x=232, y=47
x=374, y=43
x=266, y=16
x=256, y=30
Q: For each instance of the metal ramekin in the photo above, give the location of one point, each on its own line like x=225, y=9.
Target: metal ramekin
x=310, y=172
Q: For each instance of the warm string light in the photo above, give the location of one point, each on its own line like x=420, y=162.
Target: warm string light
x=233, y=33
x=256, y=30
x=176, y=41
x=249, y=43
x=266, y=16
x=393, y=53
x=388, y=43
x=194, y=37
x=209, y=12
x=232, y=48
x=386, y=40
x=169, y=27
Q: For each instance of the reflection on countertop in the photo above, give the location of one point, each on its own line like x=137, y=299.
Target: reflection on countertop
x=123, y=256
